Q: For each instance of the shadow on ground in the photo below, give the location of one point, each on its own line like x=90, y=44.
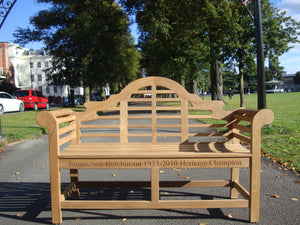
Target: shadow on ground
x=26, y=201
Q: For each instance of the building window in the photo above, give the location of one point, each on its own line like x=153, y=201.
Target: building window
x=55, y=89
x=31, y=65
x=48, y=90
x=46, y=64
x=39, y=65
x=1, y=71
x=39, y=77
x=40, y=88
x=32, y=78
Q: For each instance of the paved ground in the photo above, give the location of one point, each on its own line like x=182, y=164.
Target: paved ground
x=25, y=193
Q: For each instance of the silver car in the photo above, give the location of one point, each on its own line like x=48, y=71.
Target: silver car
x=10, y=104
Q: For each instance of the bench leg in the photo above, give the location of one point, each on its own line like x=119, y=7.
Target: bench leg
x=74, y=178
x=235, y=176
x=254, y=191
x=55, y=193
x=154, y=184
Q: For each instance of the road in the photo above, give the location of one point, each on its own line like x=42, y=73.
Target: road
x=25, y=193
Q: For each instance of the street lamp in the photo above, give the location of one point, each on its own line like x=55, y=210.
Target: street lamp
x=5, y=7
x=261, y=79
x=2, y=136
x=260, y=61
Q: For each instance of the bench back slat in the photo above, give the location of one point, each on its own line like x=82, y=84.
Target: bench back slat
x=155, y=108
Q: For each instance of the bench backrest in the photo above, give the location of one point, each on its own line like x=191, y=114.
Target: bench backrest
x=155, y=109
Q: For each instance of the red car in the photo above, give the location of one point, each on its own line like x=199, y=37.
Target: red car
x=32, y=99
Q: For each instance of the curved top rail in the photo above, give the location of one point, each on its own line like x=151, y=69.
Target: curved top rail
x=216, y=107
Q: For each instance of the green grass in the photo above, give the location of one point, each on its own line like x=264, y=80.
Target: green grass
x=20, y=126
x=281, y=141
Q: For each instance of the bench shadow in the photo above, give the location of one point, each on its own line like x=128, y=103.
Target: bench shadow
x=27, y=201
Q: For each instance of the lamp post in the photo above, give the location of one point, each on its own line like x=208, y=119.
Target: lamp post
x=5, y=7
x=260, y=61
x=2, y=136
x=261, y=79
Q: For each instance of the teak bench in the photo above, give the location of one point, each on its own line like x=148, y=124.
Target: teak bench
x=161, y=130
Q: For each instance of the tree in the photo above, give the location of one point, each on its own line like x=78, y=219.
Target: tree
x=297, y=78
x=7, y=87
x=279, y=31
x=240, y=48
x=170, y=40
x=178, y=36
x=88, y=39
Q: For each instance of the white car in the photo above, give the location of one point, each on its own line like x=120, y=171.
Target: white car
x=10, y=104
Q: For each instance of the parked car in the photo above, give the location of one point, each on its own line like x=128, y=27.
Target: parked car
x=96, y=96
x=32, y=99
x=78, y=100
x=10, y=104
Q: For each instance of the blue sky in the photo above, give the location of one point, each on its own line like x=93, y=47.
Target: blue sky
x=23, y=9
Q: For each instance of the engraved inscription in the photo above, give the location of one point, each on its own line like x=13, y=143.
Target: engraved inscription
x=160, y=163
x=105, y=164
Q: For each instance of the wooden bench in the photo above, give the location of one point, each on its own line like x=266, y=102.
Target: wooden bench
x=159, y=131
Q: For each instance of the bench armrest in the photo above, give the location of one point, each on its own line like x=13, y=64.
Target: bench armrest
x=260, y=117
x=61, y=125
x=256, y=118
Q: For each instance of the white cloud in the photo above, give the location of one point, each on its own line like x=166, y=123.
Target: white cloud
x=290, y=60
x=295, y=49
x=292, y=6
x=291, y=3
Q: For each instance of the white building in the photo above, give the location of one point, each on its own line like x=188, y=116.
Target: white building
x=289, y=83
x=29, y=71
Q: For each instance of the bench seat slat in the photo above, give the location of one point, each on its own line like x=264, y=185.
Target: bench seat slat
x=128, y=150
x=147, y=155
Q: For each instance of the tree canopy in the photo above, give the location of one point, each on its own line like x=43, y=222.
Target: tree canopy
x=180, y=38
x=183, y=40
x=89, y=40
x=297, y=78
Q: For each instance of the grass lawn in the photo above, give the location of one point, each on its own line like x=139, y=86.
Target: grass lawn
x=281, y=142
x=20, y=126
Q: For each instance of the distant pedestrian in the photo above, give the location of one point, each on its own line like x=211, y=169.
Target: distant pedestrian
x=229, y=93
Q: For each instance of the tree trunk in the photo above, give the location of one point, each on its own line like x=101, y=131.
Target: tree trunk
x=72, y=97
x=216, y=80
x=103, y=96
x=87, y=94
x=241, y=76
x=195, y=86
x=183, y=81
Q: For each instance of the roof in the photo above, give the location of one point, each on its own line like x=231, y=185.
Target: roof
x=289, y=75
